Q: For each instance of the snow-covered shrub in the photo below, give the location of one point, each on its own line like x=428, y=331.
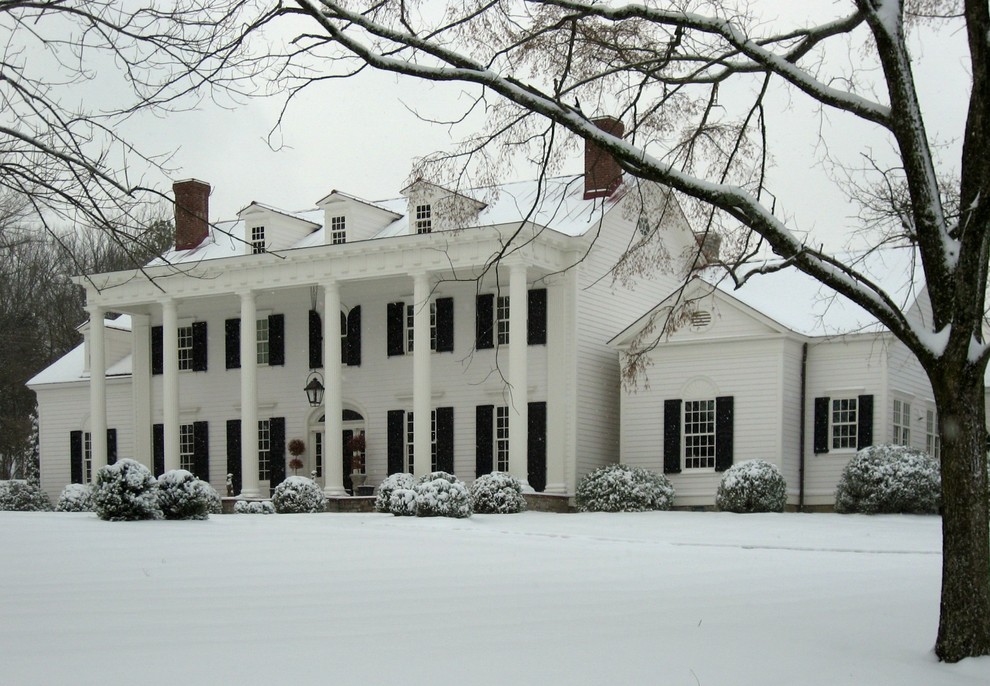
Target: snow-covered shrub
x=75, y=498
x=440, y=494
x=752, y=486
x=402, y=502
x=497, y=493
x=621, y=488
x=390, y=484
x=298, y=494
x=254, y=507
x=182, y=495
x=19, y=495
x=889, y=479
x=125, y=491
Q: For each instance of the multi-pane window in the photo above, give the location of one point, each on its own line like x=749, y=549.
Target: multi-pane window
x=409, y=442
x=264, y=450
x=933, y=443
x=502, y=438
x=410, y=325
x=318, y=453
x=699, y=434
x=185, y=348
x=845, y=420
x=262, y=338
x=410, y=438
x=187, y=447
x=88, y=457
x=901, y=434
x=424, y=219
x=502, y=319
x=258, y=239
x=338, y=231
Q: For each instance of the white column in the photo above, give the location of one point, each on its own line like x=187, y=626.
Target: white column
x=170, y=382
x=97, y=387
x=333, y=405
x=141, y=387
x=518, y=375
x=422, y=386
x=559, y=398
x=250, y=487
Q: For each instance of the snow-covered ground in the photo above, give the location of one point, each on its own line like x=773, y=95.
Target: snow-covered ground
x=656, y=598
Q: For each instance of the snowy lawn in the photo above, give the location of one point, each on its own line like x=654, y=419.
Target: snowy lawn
x=656, y=598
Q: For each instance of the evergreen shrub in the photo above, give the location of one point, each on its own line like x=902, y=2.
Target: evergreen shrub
x=391, y=483
x=298, y=494
x=497, y=493
x=752, y=486
x=254, y=507
x=181, y=495
x=621, y=488
x=889, y=479
x=440, y=494
x=125, y=491
x=19, y=495
x=75, y=498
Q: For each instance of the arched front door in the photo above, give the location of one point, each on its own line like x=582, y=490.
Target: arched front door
x=352, y=424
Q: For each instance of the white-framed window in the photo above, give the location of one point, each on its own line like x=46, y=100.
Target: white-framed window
x=87, y=457
x=262, y=339
x=318, y=453
x=933, y=442
x=264, y=450
x=699, y=434
x=502, y=320
x=901, y=425
x=258, y=244
x=501, y=438
x=187, y=447
x=843, y=427
x=338, y=230
x=185, y=348
x=410, y=437
x=410, y=326
x=424, y=219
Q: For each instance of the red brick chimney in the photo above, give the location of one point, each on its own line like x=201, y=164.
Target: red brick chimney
x=602, y=174
x=192, y=213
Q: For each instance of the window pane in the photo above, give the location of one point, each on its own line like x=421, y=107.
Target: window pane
x=844, y=423
x=263, y=340
x=264, y=450
x=185, y=347
x=699, y=434
x=187, y=447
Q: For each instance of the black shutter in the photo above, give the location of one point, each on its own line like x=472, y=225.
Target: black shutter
x=201, y=450
x=234, y=453
x=158, y=449
x=199, y=347
x=484, y=332
x=111, y=446
x=343, y=344
x=672, y=436
x=315, y=340
x=354, y=337
x=157, y=352
x=864, y=416
x=396, y=441
x=232, y=343
x=346, y=458
x=483, y=446
x=445, y=325
x=537, y=448
x=76, y=456
x=276, y=454
x=821, y=425
x=536, y=318
x=276, y=340
x=445, y=439
x=395, y=328
x=723, y=433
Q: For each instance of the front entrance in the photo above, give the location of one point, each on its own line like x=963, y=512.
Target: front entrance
x=353, y=425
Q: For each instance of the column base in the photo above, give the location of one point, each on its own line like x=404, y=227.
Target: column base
x=334, y=491
x=253, y=493
x=555, y=489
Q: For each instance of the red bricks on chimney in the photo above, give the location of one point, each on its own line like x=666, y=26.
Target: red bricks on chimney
x=192, y=213
x=602, y=174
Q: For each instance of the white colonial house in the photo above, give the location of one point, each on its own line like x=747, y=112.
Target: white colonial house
x=462, y=331
x=781, y=369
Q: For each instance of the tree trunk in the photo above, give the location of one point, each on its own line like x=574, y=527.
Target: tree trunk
x=964, y=619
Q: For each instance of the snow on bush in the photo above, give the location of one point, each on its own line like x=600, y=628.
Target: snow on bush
x=182, y=495
x=752, y=486
x=125, y=491
x=392, y=483
x=889, y=479
x=440, y=494
x=621, y=488
x=298, y=494
x=254, y=507
x=75, y=498
x=18, y=495
x=497, y=493
x=213, y=505
x=402, y=502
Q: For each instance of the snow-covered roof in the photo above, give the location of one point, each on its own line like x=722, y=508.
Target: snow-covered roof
x=72, y=366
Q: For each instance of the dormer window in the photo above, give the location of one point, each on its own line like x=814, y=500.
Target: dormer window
x=338, y=231
x=258, y=239
x=424, y=218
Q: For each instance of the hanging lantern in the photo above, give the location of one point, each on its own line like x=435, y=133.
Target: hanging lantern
x=314, y=390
